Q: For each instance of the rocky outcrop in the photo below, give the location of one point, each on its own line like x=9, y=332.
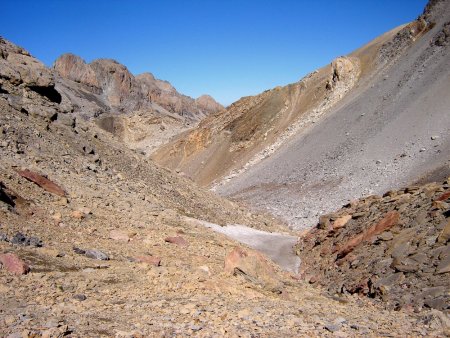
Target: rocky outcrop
x=165, y=95
x=112, y=87
x=27, y=82
x=74, y=68
x=395, y=247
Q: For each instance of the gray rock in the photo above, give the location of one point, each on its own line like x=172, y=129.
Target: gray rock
x=196, y=327
x=96, y=254
x=21, y=239
x=80, y=297
x=332, y=327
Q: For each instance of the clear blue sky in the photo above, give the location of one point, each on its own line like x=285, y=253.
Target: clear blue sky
x=228, y=48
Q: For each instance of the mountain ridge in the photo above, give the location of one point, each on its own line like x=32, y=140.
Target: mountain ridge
x=125, y=92
x=238, y=152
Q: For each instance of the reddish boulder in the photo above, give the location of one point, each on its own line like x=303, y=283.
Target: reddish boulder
x=150, y=260
x=445, y=196
x=14, y=264
x=43, y=182
x=389, y=220
x=178, y=240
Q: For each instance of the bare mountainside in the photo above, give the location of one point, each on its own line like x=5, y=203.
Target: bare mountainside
x=141, y=110
x=373, y=120
x=97, y=241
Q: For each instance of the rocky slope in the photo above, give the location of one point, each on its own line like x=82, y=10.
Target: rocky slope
x=393, y=247
x=142, y=111
x=374, y=120
x=94, y=240
x=254, y=127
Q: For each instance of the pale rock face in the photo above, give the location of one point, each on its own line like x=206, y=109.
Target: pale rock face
x=118, y=84
x=75, y=68
x=207, y=103
x=29, y=84
x=19, y=67
x=164, y=94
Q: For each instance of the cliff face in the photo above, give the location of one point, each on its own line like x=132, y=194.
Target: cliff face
x=118, y=91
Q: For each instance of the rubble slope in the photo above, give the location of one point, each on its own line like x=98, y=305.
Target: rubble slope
x=94, y=240
x=393, y=248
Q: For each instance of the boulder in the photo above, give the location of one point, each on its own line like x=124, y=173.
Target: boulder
x=444, y=236
x=43, y=182
x=119, y=235
x=14, y=264
x=96, y=254
x=150, y=260
x=178, y=240
x=341, y=221
x=253, y=266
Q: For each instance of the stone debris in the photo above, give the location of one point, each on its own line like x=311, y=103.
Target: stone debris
x=406, y=248
x=44, y=125
x=21, y=239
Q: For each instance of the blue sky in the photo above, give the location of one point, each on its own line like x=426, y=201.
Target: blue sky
x=228, y=49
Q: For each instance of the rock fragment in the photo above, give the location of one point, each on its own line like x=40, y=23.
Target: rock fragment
x=14, y=264
x=21, y=239
x=177, y=240
x=253, y=266
x=43, y=182
x=150, y=260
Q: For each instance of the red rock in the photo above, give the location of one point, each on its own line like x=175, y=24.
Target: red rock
x=178, y=240
x=14, y=264
x=444, y=196
x=390, y=219
x=151, y=260
x=43, y=182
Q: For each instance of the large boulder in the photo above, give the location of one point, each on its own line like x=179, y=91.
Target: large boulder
x=12, y=263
